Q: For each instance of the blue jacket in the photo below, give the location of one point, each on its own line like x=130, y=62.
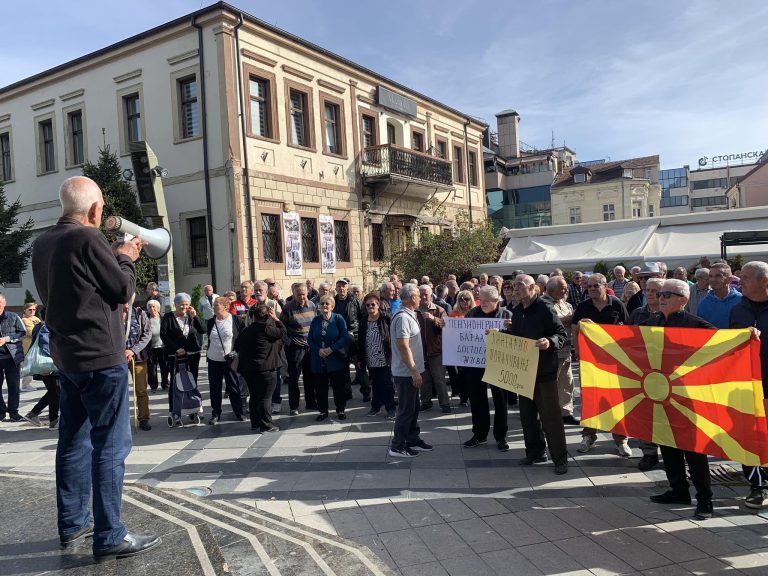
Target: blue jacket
x=716, y=310
x=747, y=314
x=12, y=328
x=336, y=337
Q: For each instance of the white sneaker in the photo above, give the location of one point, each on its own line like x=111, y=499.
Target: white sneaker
x=587, y=443
x=276, y=408
x=624, y=450
x=27, y=387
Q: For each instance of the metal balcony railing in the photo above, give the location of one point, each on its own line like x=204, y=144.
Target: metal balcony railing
x=388, y=159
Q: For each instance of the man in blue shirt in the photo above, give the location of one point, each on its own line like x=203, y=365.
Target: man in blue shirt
x=716, y=306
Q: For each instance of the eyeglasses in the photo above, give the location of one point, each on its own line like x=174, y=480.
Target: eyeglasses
x=325, y=303
x=594, y=285
x=667, y=294
x=465, y=299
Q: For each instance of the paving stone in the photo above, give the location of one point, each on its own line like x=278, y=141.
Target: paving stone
x=431, y=478
x=665, y=543
x=504, y=562
x=671, y=570
x=372, y=479
x=385, y=518
x=485, y=506
x=549, y=558
x=452, y=509
x=614, y=515
x=418, y=513
x=594, y=557
x=406, y=548
x=443, y=541
x=351, y=522
x=319, y=521
x=708, y=567
x=479, y=535
x=704, y=540
x=634, y=553
x=514, y=530
x=468, y=565
x=428, y=569
x=547, y=524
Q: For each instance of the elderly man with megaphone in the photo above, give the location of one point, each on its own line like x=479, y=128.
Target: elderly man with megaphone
x=84, y=283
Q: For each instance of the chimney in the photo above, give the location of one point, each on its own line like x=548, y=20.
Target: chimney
x=507, y=123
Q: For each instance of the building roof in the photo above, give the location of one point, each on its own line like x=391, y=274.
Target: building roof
x=191, y=17
x=604, y=172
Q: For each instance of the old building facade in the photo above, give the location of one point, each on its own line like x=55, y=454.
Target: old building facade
x=260, y=133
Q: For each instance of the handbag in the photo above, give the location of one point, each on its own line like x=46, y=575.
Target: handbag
x=37, y=363
x=232, y=358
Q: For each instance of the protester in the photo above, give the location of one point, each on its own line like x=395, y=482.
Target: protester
x=508, y=294
x=438, y=297
x=30, y=321
x=540, y=417
x=157, y=359
x=600, y=308
x=465, y=301
x=297, y=317
x=752, y=312
x=206, y=302
x=619, y=281
x=375, y=353
x=12, y=334
x=407, y=370
x=673, y=298
x=431, y=320
x=223, y=330
x=137, y=355
x=575, y=291
x=348, y=307
x=311, y=292
x=453, y=290
x=557, y=292
x=699, y=289
x=244, y=302
x=716, y=306
x=630, y=290
x=50, y=380
x=258, y=347
x=82, y=284
x=648, y=270
x=152, y=292
x=323, y=289
x=633, y=272
x=328, y=340
x=478, y=390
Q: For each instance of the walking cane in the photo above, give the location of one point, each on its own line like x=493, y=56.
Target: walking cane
x=132, y=363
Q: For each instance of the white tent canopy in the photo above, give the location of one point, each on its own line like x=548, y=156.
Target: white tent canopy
x=678, y=240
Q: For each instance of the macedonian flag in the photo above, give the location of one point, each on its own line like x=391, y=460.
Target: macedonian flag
x=691, y=388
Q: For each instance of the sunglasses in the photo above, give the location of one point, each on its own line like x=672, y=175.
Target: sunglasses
x=667, y=294
x=465, y=299
x=371, y=304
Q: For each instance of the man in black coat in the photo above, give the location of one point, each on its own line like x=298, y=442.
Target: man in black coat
x=348, y=307
x=535, y=319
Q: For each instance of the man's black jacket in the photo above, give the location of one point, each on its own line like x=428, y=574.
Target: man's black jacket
x=539, y=320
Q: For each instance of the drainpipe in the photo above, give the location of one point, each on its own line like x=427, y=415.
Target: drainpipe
x=466, y=170
x=206, y=171
x=246, y=180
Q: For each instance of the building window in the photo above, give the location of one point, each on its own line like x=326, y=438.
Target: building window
x=341, y=233
x=647, y=173
x=133, y=117
x=458, y=164
x=270, y=238
x=627, y=173
x=333, y=125
x=198, y=242
x=6, y=168
x=377, y=242
x=609, y=212
x=299, y=119
x=473, y=168
x=637, y=210
x=442, y=149
x=650, y=210
x=574, y=215
x=391, y=134
x=188, y=115
x=417, y=141
x=579, y=178
x=259, y=107
x=309, y=250
x=47, y=147
x=76, y=138
x=369, y=131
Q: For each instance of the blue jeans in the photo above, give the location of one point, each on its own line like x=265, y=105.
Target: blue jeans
x=383, y=390
x=218, y=372
x=94, y=441
x=406, y=428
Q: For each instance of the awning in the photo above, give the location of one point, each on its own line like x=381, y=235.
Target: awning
x=676, y=240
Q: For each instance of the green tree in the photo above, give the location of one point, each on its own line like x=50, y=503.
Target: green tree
x=736, y=262
x=437, y=255
x=120, y=200
x=197, y=293
x=14, y=240
x=28, y=298
x=602, y=268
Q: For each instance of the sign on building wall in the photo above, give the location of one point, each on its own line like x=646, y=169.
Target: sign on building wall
x=327, y=245
x=396, y=102
x=292, y=243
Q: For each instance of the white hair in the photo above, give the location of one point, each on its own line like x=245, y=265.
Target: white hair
x=407, y=291
x=77, y=194
x=490, y=292
x=425, y=288
x=760, y=268
x=704, y=272
x=554, y=282
x=681, y=287
x=658, y=282
x=619, y=268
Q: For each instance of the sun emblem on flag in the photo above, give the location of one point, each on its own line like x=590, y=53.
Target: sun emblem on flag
x=690, y=388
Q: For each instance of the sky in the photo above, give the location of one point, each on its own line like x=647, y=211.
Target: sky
x=608, y=78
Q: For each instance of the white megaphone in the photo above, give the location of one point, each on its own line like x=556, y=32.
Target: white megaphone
x=158, y=240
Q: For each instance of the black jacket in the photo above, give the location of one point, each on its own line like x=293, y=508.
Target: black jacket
x=747, y=314
x=173, y=338
x=259, y=346
x=539, y=320
x=83, y=286
x=680, y=319
x=477, y=312
x=383, y=323
x=349, y=309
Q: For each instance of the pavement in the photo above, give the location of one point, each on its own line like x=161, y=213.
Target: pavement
x=325, y=498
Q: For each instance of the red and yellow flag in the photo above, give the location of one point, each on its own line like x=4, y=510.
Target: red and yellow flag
x=690, y=388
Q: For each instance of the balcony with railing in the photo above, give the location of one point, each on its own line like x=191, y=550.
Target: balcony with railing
x=388, y=163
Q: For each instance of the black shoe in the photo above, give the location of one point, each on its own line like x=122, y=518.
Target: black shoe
x=648, y=462
x=341, y=416
x=420, y=446
x=571, y=420
x=670, y=497
x=561, y=468
x=311, y=406
x=472, y=442
x=425, y=406
x=348, y=395
x=502, y=446
x=213, y=421
x=71, y=539
x=131, y=545
x=239, y=418
x=704, y=510
x=145, y=425
x=2, y=416
x=322, y=417
x=366, y=397
x=270, y=429
x=529, y=460
x=16, y=417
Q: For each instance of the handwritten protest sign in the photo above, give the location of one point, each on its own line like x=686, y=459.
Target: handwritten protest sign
x=511, y=363
x=464, y=340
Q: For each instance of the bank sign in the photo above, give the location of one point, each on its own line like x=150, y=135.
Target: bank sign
x=742, y=158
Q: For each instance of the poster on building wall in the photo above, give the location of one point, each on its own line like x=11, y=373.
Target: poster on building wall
x=292, y=243
x=327, y=245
